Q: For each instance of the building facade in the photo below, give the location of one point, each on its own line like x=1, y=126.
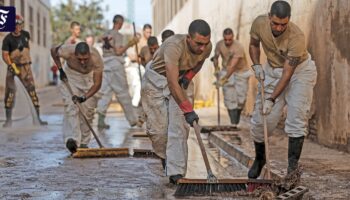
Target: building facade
x=326, y=27
x=36, y=14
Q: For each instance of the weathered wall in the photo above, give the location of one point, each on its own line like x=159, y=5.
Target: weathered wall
x=326, y=27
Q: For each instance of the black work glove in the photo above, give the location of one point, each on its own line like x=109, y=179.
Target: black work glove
x=77, y=99
x=184, y=82
x=191, y=117
x=63, y=75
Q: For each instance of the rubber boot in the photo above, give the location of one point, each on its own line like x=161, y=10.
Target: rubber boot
x=259, y=162
x=71, y=145
x=101, y=122
x=43, y=123
x=295, y=147
x=174, y=178
x=163, y=163
x=8, y=122
x=239, y=111
x=233, y=116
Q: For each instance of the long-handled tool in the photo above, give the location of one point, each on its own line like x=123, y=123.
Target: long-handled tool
x=267, y=153
x=218, y=97
x=93, y=152
x=211, y=185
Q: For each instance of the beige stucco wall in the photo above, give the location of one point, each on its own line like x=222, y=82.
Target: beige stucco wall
x=326, y=27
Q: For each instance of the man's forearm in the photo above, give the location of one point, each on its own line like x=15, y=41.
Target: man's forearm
x=55, y=57
x=254, y=53
x=94, y=88
x=283, y=82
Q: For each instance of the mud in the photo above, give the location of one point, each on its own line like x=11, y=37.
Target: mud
x=34, y=163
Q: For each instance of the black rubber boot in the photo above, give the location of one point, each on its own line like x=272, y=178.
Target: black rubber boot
x=239, y=111
x=174, y=178
x=71, y=145
x=295, y=147
x=43, y=123
x=259, y=162
x=8, y=122
x=83, y=146
x=233, y=116
x=163, y=163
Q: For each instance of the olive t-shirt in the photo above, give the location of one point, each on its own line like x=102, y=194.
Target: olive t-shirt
x=236, y=50
x=95, y=62
x=175, y=51
x=290, y=44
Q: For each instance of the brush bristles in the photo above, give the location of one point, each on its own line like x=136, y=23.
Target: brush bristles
x=205, y=189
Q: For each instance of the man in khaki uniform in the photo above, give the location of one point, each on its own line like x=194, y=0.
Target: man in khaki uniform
x=15, y=53
x=166, y=34
x=147, y=52
x=75, y=33
x=167, y=95
x=114, y=77
x=234, y=74
x=83, y=69
x=289, y=76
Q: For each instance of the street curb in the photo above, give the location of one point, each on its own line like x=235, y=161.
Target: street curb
x=239, y=154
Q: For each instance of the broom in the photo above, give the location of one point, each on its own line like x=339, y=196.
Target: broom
x=93, y=152
x=211, y=185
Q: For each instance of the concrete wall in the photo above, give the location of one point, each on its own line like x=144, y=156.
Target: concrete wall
x=40, y=53
x=326, y=25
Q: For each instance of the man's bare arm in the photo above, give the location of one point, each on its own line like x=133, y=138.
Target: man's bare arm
x=231, y=67
x=254, y=50
x=6, y=57
x=56, y=57
x=172, y=73
x=97, y=78
x=288, y=71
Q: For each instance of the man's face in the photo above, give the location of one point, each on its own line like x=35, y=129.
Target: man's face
x=153, y=48
x=83, y=58
x=147, y=33
x=18, y=28
x=278, y=25
x=228, y=39
x=76, y=31
x=90, y=40
x=197, y=43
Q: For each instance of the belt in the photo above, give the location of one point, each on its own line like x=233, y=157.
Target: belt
x=23, y=64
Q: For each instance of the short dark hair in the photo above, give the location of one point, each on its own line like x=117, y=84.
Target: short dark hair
x=74, y=23
x=280, y=9
x=199, y=26
x=146, y=26
x=167, y=33
x=228, y=31
x=118, y=18
x=152, y=41
x=82, y=48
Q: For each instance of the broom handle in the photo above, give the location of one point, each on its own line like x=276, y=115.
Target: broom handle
x=218, y=98
x=197, y=130
x=83, y=115
x=137, y=52
x=267, y=154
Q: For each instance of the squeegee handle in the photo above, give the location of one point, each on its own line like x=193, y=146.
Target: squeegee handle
x=266, y=137
x=197, y=129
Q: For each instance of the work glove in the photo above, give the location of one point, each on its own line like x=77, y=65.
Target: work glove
x=259, y=72
x=13, y=69
x=63, y=75
x=191, y=117
x=133, y=41
x=216, y=71
x=106, y=44
x=221, y=82
x=268, y=104
x=77, y=99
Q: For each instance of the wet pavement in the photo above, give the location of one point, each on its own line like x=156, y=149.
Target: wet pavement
x=34, y=163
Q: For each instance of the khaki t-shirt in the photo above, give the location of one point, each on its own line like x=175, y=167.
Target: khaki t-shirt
x=70, y=40
x=234, y=51
x=95, y=62
x=175, y=51
x=146, y=54
x=116, y=40
x=277, y=49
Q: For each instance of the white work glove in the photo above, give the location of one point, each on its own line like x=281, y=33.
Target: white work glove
x=259, y=72
x=268, y=104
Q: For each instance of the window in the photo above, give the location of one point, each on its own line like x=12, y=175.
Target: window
x=23, y=9
x=38, y=27
x=31, y=23
x=44, y=32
